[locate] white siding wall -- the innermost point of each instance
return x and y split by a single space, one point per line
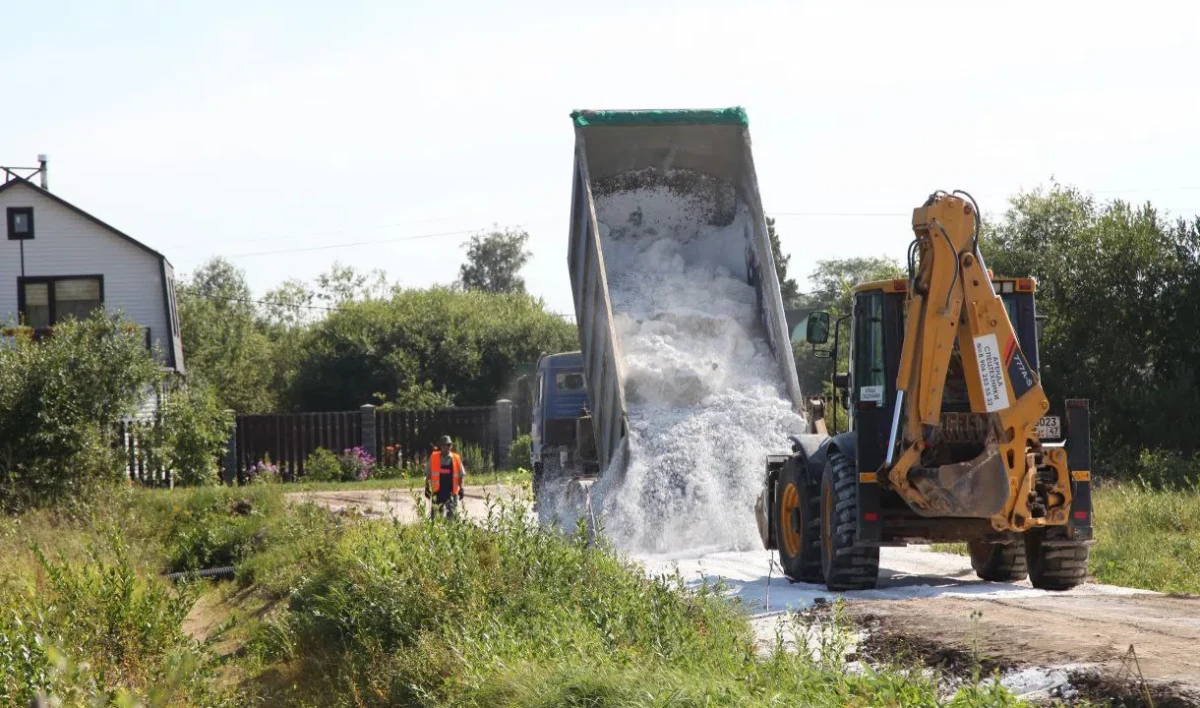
66 243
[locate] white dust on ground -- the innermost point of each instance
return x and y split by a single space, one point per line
705 398
753 580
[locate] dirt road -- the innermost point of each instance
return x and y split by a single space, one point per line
402 504
926 601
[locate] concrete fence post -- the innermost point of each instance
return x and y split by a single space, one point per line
231 452
504 430
367 411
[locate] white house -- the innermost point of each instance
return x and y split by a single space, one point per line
59 260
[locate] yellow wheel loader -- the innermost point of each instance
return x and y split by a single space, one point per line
950 435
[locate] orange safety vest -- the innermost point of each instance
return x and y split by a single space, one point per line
435 472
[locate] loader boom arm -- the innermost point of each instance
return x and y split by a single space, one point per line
951 297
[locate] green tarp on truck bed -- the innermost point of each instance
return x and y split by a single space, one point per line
690 116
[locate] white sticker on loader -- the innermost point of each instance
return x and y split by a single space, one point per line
991 373
872 394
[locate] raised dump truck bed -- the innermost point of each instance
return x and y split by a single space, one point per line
620 149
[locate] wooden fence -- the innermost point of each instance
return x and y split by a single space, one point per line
135 440
392 437
417 432
287 439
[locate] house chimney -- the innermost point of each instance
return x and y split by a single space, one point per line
42 160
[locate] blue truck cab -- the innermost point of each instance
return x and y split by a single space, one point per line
563 442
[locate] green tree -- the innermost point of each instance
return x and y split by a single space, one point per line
60 402
1118 286
788 288
342 284
222 342
195 433
495 260
423 348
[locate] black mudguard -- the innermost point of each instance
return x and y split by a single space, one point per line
1079 459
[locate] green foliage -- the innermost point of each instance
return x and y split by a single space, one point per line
426 341
222 342
195 434
322 466
506 614
521 451
1118 284
495 260
215 527
475 459
788 288
98 632
343 284
356 464
1147 538
60 402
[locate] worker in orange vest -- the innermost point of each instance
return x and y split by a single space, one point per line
444 484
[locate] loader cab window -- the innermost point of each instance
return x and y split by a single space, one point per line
867 372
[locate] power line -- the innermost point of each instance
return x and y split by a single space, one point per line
280 303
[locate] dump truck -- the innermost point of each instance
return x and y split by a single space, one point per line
562 441
616 150
949 436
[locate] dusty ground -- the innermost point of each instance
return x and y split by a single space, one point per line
1075 632
925 602
402 504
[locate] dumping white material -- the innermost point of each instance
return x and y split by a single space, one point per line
704 396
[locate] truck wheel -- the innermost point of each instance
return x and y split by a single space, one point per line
1056 567
998 562
845 565
798 526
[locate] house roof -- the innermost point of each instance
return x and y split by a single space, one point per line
52 196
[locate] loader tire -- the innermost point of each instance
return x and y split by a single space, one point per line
1057 567
799 543
845 565
997 562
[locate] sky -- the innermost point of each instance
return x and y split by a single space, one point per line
288 136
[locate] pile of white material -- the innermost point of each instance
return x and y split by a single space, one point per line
705 398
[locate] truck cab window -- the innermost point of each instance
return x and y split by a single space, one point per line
569 382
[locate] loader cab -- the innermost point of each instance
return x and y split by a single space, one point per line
876 335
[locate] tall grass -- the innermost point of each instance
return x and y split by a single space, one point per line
333 610
1147 538
98 632
507 614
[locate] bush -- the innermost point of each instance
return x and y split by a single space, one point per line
195 434
215 527
263 472
99 633
356 464
474 458
1164 469
60 402
322 466
521 451
420 346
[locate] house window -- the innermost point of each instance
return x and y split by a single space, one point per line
20 223
47 301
